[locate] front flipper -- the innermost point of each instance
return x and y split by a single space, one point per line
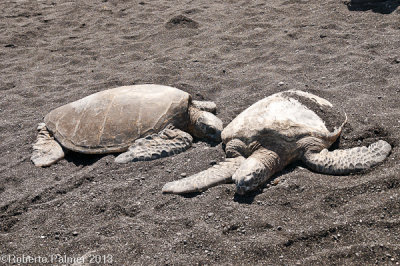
218 174
46 150
167 142
341 162
256 170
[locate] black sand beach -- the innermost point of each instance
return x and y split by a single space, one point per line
230 52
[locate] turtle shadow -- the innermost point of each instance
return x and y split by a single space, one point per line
81 159
191 195
376 6
247 198
208 141
335 145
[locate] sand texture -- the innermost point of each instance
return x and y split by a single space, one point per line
233 53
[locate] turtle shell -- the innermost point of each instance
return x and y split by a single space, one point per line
111 120
287 116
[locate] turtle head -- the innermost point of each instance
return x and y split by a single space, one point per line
204 124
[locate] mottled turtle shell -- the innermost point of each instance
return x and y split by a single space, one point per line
286 116
111 120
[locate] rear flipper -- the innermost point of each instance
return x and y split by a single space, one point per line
46 150
341 162
218 174
168 142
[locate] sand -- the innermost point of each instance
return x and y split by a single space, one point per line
230 52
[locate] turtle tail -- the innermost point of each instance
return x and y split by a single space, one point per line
218 174
341 162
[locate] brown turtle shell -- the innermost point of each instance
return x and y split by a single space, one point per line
111 120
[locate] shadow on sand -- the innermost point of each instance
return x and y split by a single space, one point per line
377 6
80 159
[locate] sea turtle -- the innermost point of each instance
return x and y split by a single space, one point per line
275 131
144 121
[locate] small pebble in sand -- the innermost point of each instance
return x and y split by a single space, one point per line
276 181
183 174
281 83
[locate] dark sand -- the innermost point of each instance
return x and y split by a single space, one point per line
231 52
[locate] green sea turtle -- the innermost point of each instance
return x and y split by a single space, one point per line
144 122
275 131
